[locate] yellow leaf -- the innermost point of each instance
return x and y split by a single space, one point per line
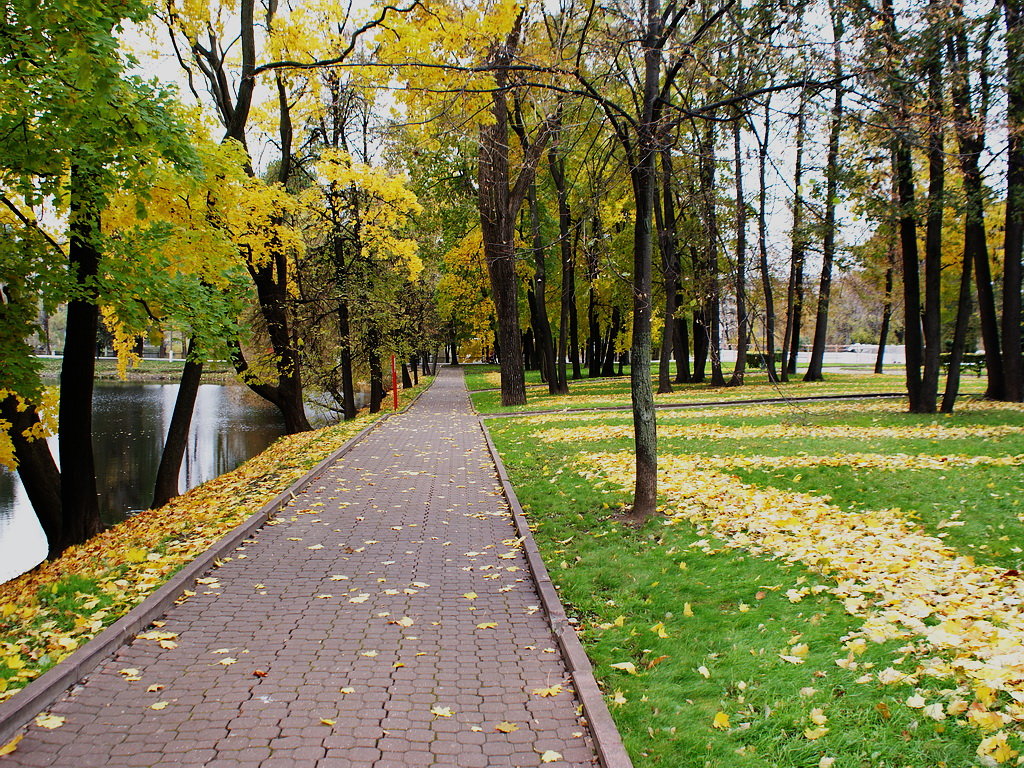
14 662
687 610
618 698
347 689
369 654
625 666
441 711
826 762
818 716
405 621
11 745
487 625
158 705
135 555
704 672
814 733
553 690
49 721
327 721
550 756
721 721
227 661
659 630
154 688
506 727
470 595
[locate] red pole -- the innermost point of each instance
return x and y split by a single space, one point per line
394 383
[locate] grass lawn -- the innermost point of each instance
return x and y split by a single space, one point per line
483 380
830 584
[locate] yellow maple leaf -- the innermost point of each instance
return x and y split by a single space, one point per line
553 690
625 666
441 711
11 745
48 721
470 595
721 721
506 727
659 630
814 733
550 756
487 625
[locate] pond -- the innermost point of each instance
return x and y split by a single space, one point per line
230 425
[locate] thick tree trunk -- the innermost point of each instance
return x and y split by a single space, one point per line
38 472
166 486
903 174
79 499
406 378
497 223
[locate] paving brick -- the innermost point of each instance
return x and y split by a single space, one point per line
416 500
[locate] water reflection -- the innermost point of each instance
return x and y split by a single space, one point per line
130 421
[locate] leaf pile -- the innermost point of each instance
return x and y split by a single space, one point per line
964 622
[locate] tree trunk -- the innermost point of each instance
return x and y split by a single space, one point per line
497 224
828 250
542 326
348 389
903 174
971 141
711 298
931 321
1013 363
883 334
742 330
664 217
762 243
38 472
568 263
956 352
681 341
166 486
795 289
406 379
79 499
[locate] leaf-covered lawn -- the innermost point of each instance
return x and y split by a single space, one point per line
831 584
49 612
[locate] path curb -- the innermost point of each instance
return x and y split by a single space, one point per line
607 740
17 711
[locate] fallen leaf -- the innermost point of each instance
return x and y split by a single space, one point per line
227 661
159 705
441 711
721 721
625 666
11 745
553 690
470 595
814 733
347 689
327 721
550 756
506 727
487 625
154 688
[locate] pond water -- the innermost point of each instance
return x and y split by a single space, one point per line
230 425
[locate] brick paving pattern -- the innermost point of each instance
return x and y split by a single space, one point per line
387 594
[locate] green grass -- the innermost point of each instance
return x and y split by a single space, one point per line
614 392
741 618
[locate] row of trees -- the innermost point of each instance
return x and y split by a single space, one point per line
622 167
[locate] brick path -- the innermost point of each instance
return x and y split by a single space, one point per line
299 651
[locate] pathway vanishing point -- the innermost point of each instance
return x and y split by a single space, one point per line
385 618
